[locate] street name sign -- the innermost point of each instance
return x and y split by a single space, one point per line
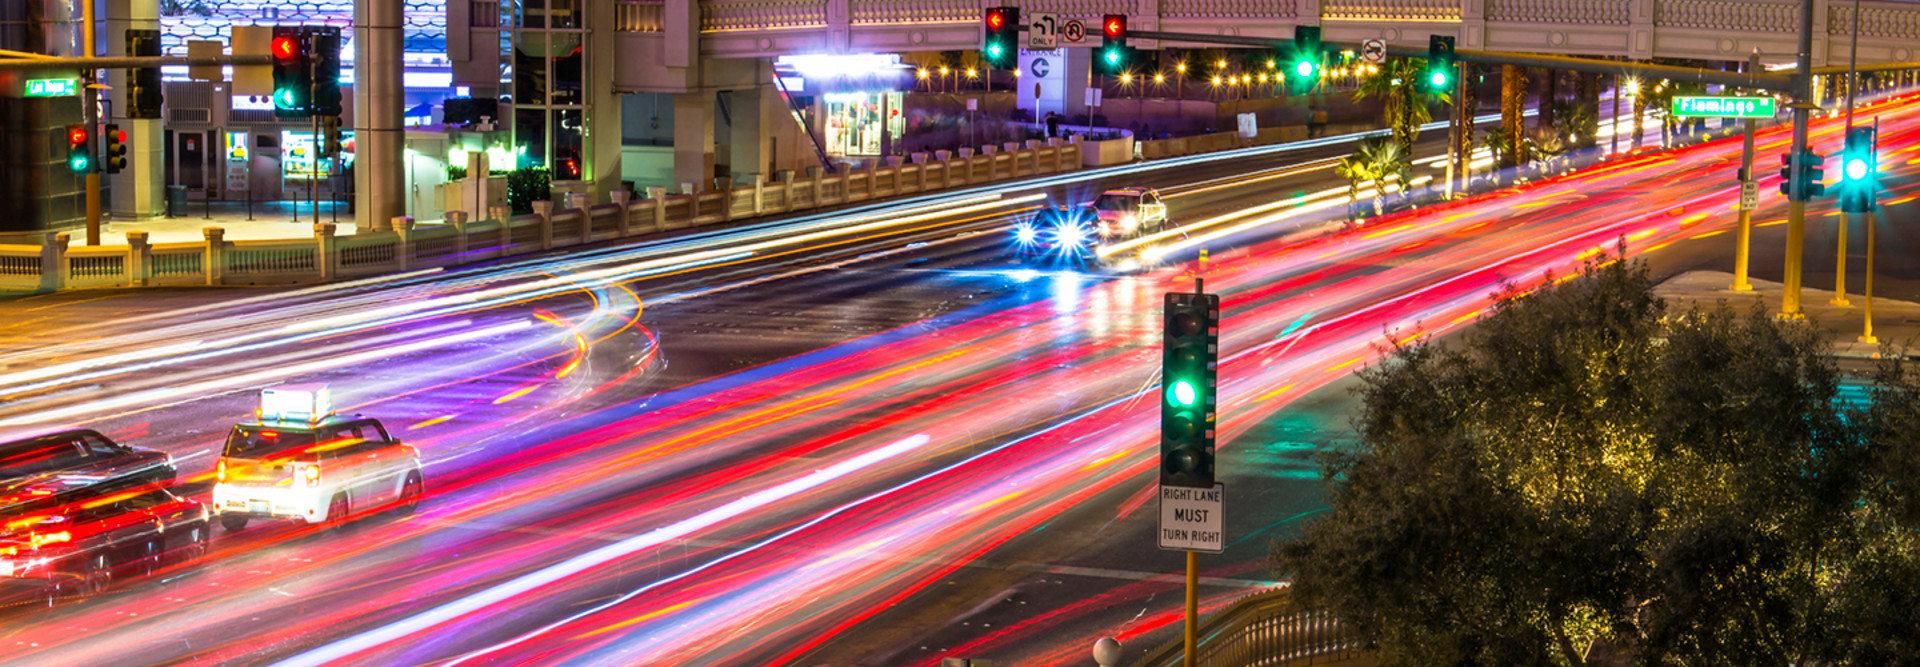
52 87
1190 519
1043 31
1724 107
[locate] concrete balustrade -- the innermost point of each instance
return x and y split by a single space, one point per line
402 243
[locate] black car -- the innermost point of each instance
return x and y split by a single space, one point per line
82 453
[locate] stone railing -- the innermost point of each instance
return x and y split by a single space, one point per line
403 245
638 15
872 12
724 15
1883 21
1390 10
1582 12
1730 15
1264 628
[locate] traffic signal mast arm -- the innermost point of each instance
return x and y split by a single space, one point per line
128 61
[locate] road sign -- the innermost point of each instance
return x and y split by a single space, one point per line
1724 107
1043 30
1191 519
1075 32
1373 51
52 87
1749 195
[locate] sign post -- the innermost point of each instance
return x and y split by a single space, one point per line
1749 191
1192 504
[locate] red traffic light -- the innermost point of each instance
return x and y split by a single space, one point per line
1116 26
285 47
76 135
996 20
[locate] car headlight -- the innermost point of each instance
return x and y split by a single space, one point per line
1128 220
1024 234
1071 236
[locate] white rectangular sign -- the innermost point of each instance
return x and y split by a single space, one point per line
1043 30
1749 195
1249 127
1190 519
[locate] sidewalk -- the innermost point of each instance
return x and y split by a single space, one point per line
271 220
1894 322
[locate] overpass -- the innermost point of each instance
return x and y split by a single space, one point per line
700 74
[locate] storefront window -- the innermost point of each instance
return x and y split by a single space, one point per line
549 91
862 123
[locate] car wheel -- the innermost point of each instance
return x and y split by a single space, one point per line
99 576
337 513
149 561
196 549
233 523
409 495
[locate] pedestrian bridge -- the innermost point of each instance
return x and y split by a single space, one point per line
1721 30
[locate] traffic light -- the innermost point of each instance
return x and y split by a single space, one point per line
116 139
328 143
1808 175
323 46
79 149
292 73
1115 58
1190 349
1859 177
1303 72
143 83
1001 48
1440 63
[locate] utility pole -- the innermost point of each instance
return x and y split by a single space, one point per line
1797 192
90 114
1748 183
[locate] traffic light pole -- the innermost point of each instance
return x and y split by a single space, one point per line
1797 190
1867 288
1193 596
90 112
1853 81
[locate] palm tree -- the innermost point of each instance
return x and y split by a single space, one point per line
1578 125
1398 82
1383 159
1355 168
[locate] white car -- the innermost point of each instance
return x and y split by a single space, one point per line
1128 212
313 469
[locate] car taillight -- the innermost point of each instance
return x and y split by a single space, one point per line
220 471
313 475
43 539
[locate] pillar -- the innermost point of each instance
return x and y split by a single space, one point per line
139 259
379 175
325 249
139 191
693 139
603 118
746 140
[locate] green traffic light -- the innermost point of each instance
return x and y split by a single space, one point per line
993 50
1303 68
1113 56
79 162
1856 169
283 98
1182 394
1439 79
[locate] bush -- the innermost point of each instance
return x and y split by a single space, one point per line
527 185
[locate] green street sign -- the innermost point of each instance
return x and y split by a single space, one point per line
1724 107
53 87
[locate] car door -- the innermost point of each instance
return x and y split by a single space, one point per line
355 461
393 460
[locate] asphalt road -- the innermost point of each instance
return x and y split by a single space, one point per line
874 448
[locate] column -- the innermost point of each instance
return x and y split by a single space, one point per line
379 175
746 139
693 139
602 115
137 192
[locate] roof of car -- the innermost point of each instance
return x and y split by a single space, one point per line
1135 191
331 420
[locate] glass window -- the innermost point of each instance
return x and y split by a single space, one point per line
27 458
254 442
1113 202
99 448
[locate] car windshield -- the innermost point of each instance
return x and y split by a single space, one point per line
261 442
26 458
1117 203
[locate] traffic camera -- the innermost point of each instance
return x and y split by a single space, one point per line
1190 347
